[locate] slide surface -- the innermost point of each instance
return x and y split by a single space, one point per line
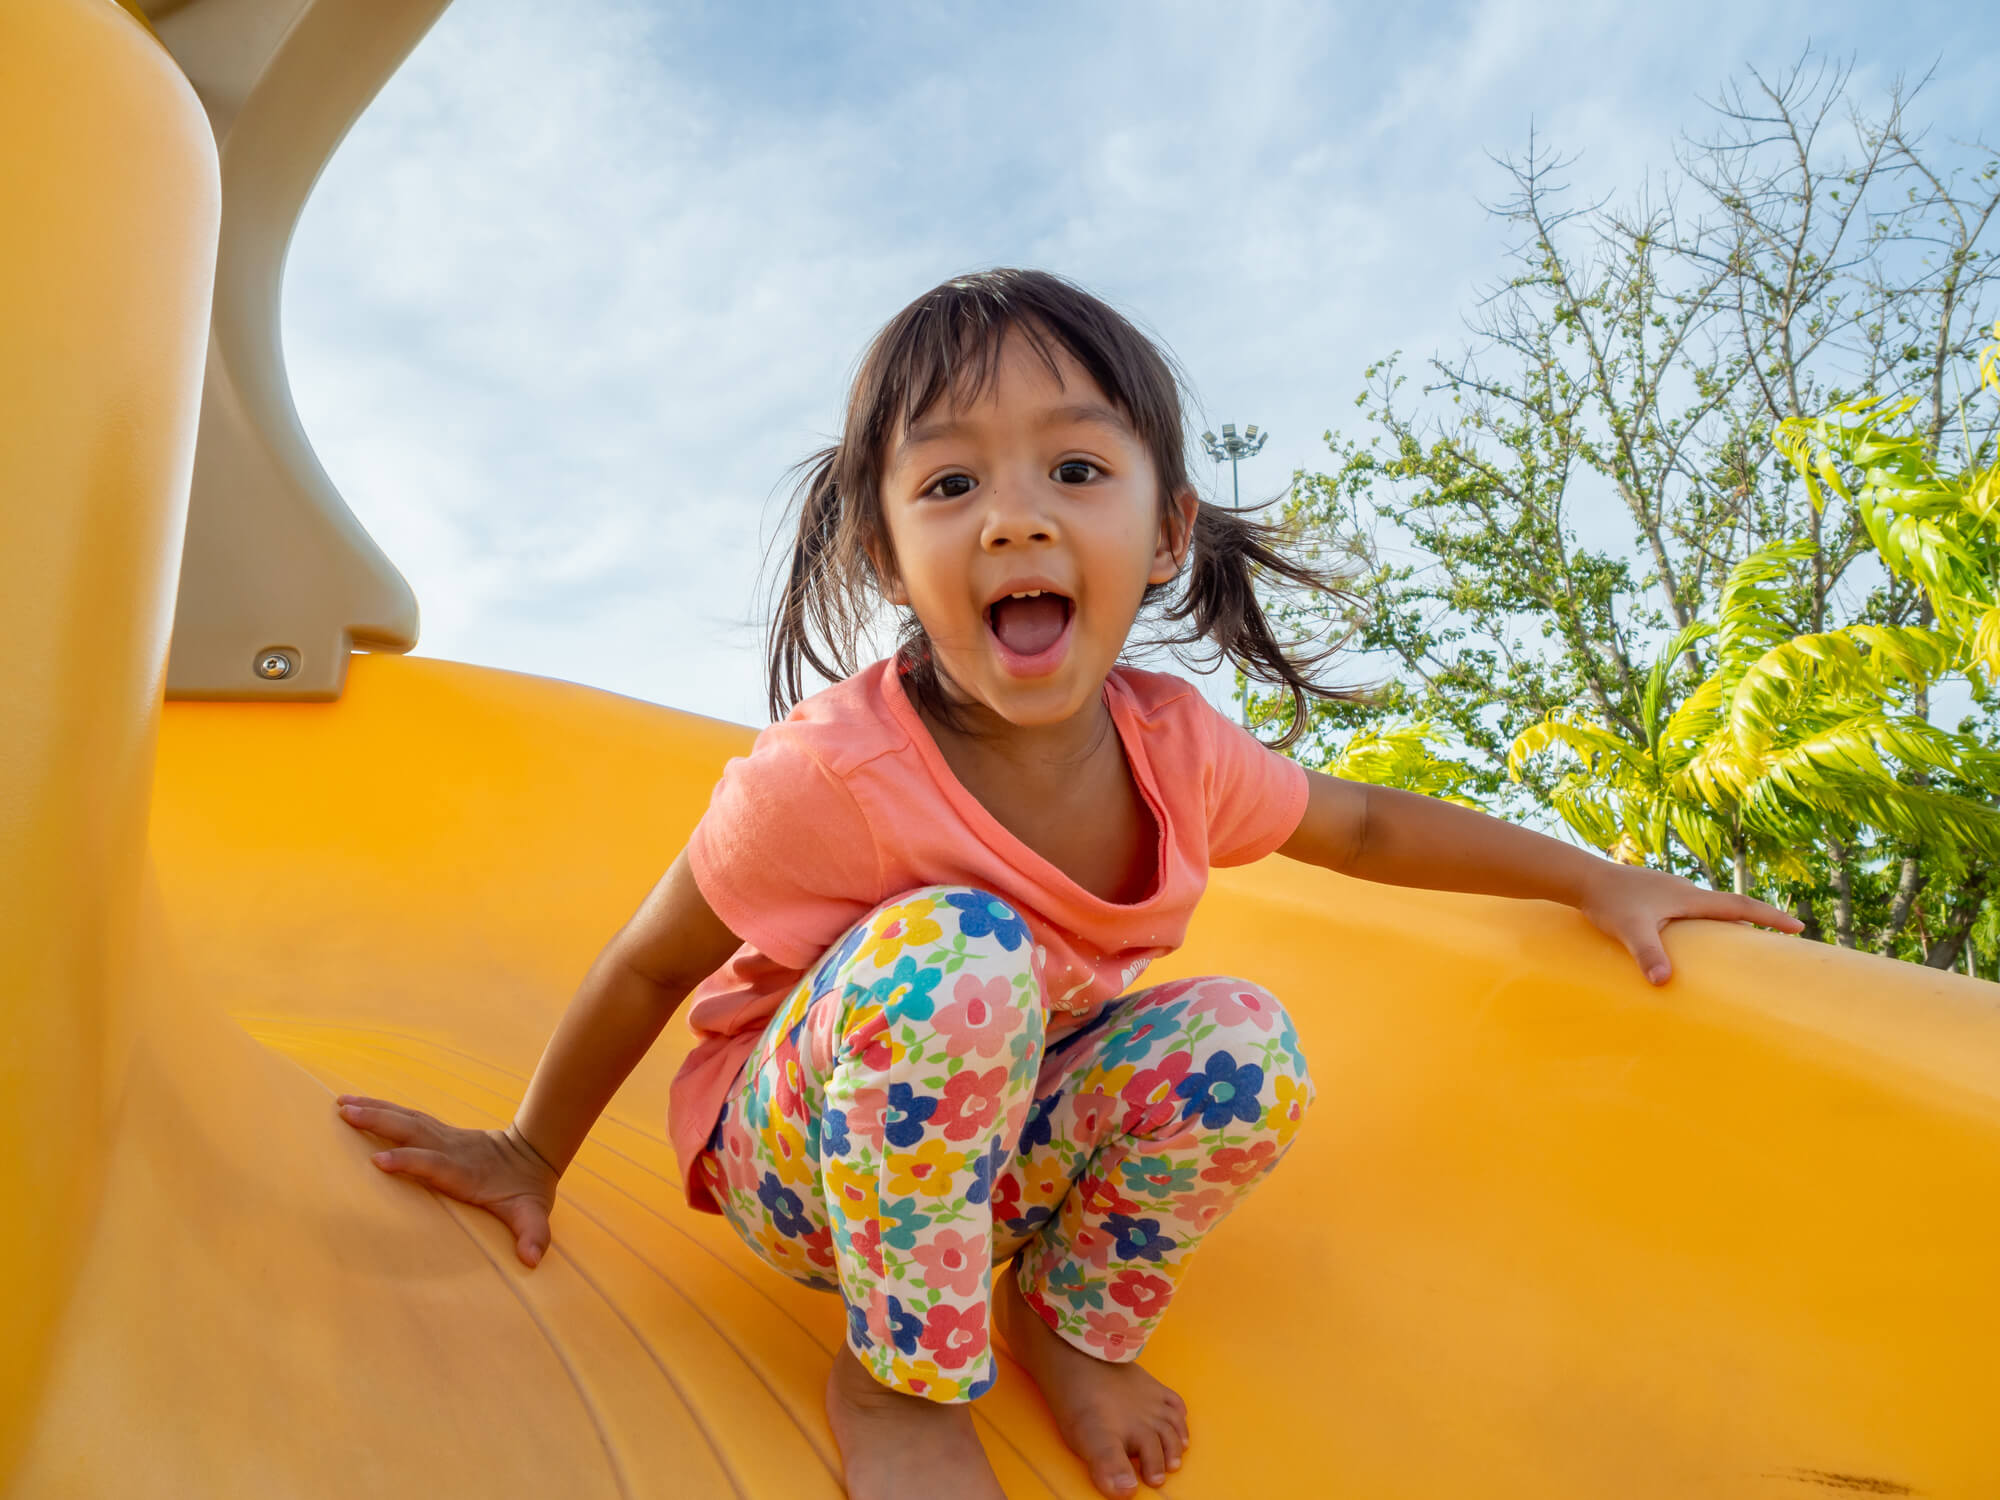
1547 1233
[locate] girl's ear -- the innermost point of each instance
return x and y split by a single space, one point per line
890 581
1176 532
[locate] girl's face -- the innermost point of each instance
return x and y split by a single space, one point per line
1039 488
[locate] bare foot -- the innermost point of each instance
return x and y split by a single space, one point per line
898 1447
1112 1416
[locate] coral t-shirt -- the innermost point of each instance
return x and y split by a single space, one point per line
849 803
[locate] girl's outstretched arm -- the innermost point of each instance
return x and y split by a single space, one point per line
1404 838
673 943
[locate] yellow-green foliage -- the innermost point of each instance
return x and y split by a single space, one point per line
1938 528
1400 755
1786 737
1790 737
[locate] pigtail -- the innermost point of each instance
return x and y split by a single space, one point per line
1231 553
814 608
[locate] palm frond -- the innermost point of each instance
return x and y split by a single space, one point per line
1400 755
1862 662
1656 680
1592 815
1593 745
1749 616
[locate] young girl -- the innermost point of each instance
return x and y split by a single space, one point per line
911 917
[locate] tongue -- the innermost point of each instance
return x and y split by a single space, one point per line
1030 626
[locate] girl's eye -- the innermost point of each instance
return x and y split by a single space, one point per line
943 490
1076 471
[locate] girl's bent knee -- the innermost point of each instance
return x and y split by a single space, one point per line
986 921
953 960
1251 1025
956 926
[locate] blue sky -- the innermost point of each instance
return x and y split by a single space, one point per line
587 279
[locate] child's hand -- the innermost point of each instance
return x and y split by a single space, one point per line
1632 904
489 1169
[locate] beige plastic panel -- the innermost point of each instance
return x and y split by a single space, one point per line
275 563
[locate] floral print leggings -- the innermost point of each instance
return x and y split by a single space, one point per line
901 1129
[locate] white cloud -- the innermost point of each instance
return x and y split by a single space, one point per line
587 279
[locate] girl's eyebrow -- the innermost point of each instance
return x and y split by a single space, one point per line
1056 416
1085 411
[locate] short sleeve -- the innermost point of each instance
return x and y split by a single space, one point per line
784 855
1257 797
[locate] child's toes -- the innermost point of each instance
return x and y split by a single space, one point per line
1170 1442
1110 1469
1152 1460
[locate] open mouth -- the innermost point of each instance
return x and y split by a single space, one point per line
1031 623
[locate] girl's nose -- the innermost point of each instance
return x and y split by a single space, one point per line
1013 517
1002 536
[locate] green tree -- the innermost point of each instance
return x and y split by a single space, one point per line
1402 755
1573 490
1934 525
1788 738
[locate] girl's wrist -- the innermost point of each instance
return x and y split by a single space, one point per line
1594 875
514 1134
1610 883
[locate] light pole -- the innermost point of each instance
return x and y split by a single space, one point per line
1234 448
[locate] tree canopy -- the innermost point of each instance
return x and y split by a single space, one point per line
1685 543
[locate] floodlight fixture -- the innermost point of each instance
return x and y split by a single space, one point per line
1235 449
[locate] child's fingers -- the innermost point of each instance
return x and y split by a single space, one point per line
391 1121
526 1218
431 1167
1727 906
1749 909
529 1222
345 1102
1646 947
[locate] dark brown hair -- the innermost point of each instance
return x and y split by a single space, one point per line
947 345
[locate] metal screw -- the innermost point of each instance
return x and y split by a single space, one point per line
273 666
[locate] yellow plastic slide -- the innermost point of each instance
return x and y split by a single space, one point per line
1549 1233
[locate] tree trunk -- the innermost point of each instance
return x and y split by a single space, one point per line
1806 912
1965 911
1908 884
1944 953
1843 893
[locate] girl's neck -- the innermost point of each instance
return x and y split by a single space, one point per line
1066 791
1030 751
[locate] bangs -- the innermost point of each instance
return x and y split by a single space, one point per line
946 347
953 356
